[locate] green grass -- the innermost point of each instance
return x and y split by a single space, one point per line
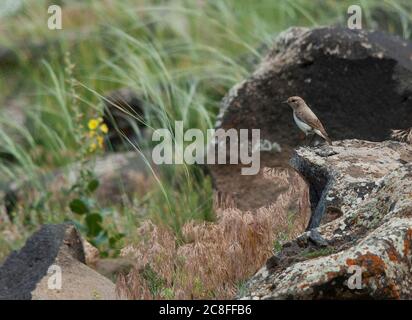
319 253
180 56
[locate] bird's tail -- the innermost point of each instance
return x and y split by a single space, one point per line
325 136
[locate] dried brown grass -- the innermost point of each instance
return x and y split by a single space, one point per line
215 257
402 135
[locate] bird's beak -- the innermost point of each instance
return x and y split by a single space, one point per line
286 101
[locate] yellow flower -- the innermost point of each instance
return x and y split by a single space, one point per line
93 124
104 128
92 147
91 134
100 142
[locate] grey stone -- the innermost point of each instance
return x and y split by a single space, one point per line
24 274
370 184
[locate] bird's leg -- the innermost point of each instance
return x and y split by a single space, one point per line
302 138
305 140
312 136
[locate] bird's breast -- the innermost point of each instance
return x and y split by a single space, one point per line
302 125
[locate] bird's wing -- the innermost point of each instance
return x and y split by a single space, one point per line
312 120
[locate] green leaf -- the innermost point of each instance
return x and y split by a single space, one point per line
93 222
79 226
114 238
100 239
93 185
79 206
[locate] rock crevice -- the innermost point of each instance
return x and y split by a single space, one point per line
369 185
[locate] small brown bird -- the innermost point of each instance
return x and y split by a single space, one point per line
305 119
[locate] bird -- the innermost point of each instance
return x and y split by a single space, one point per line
305 119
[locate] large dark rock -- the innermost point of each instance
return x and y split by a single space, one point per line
24 274
359 84
362 216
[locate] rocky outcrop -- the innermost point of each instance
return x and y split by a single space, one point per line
361 196
357 82
54 252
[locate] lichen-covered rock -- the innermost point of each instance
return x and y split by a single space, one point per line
341 177
362 199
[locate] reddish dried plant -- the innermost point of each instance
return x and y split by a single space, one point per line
214 258
402 135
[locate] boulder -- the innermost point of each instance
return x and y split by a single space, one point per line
124 175
357 82
91 254
361 218
33 272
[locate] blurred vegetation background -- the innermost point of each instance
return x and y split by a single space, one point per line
179 56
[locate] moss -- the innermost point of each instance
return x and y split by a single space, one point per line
318 253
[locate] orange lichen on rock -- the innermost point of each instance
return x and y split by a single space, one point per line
393 254
392 291
407 242
372 263
330 275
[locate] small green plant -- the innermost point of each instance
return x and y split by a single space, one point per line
91 216
155 283
90 140
167 293
198 287
279 241
318 253
241 288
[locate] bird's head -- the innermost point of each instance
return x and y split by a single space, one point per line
294 102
